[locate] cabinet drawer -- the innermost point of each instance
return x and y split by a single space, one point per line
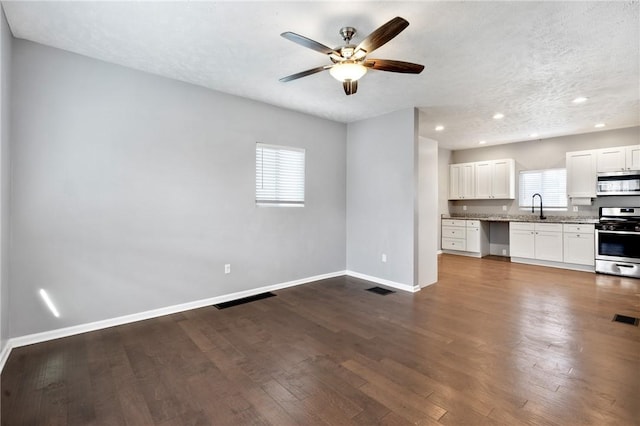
452 232
453 244
473 223
453 222
521 226
578 228
549 227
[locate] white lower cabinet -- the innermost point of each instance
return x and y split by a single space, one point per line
549 241
454 234
542 241
473 236
468 237
552 244
522 240
579 244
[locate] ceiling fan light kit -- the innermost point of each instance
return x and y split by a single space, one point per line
347 71
350 62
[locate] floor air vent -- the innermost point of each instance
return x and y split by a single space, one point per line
626 320
380 290
244 300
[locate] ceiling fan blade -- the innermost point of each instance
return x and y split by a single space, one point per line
393 66
350 87
383 34
308 43
304 73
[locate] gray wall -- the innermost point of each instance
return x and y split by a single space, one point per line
544 154
6 40
132 191
381 196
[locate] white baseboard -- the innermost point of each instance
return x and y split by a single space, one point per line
154 313
4 355
388 283
98 325
559 265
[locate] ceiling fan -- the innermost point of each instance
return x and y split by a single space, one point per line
350 62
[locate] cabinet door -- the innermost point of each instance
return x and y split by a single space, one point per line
461 181
522 243
633 157
473 239
548 246
581 174
454 182
467 180
611 159
484 173
503 179
579 249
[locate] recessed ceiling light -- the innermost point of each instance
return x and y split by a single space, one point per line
533 135
580 100
498 116
439 128
599 125
482 142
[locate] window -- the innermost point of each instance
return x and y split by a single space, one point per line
550 183
279 175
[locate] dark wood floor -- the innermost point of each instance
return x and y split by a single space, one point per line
492 343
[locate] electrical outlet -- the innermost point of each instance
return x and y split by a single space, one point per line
575 208
504 208
504 252
384 258
464 208
227 268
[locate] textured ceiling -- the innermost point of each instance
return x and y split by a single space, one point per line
527 60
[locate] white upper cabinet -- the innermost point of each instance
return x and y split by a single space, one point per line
461 181
581 174
618 159
611 159
633 157
487 180
503 182
483 179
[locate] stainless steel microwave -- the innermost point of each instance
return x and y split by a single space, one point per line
619 183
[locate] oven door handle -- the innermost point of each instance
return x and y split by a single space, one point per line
602 231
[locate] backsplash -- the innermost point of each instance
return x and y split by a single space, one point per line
494 207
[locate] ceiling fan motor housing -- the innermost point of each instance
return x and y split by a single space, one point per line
347 33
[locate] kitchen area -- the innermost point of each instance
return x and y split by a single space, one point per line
569 202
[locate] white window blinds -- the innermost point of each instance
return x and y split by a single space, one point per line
279 175
550 183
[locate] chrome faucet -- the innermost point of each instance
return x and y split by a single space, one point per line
532 207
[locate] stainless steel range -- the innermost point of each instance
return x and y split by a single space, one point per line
618 241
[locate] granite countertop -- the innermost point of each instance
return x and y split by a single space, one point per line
523 218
